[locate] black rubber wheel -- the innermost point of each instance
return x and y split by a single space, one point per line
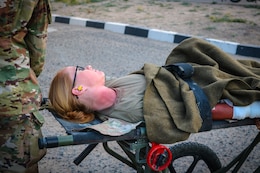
193 153
235 0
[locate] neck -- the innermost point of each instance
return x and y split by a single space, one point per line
104 99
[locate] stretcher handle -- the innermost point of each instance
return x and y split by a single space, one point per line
91 137
221 124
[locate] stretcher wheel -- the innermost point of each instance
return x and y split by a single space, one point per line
159 157
193 154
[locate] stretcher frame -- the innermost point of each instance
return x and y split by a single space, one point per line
136 146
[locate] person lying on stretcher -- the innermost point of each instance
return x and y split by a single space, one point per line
232 88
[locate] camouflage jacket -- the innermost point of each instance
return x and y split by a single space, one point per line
23 35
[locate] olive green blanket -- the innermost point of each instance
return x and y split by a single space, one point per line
170 109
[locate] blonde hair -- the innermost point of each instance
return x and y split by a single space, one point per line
65 103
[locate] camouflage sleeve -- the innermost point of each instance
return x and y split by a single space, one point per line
37 35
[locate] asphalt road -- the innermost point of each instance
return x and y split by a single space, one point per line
118 55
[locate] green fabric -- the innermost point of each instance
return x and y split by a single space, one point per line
170 111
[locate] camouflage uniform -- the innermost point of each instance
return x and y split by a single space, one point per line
23 34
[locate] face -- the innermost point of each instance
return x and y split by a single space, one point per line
89 87
87 76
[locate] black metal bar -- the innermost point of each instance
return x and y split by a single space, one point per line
246 152
240 159
226 124
131 156
118 156
84 154
257 170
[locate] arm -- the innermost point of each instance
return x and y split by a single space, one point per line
37 35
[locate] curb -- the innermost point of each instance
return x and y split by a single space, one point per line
159 35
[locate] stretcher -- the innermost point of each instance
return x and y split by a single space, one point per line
145 156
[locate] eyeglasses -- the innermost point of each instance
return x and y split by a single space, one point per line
78 68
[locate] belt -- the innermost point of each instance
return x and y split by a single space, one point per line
185 72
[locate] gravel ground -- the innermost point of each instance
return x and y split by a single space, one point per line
221 20
118 55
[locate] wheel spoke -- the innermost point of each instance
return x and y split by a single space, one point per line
171 169
194 163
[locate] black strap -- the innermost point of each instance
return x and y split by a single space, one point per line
185 71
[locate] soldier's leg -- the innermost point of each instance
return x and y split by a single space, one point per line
19 151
